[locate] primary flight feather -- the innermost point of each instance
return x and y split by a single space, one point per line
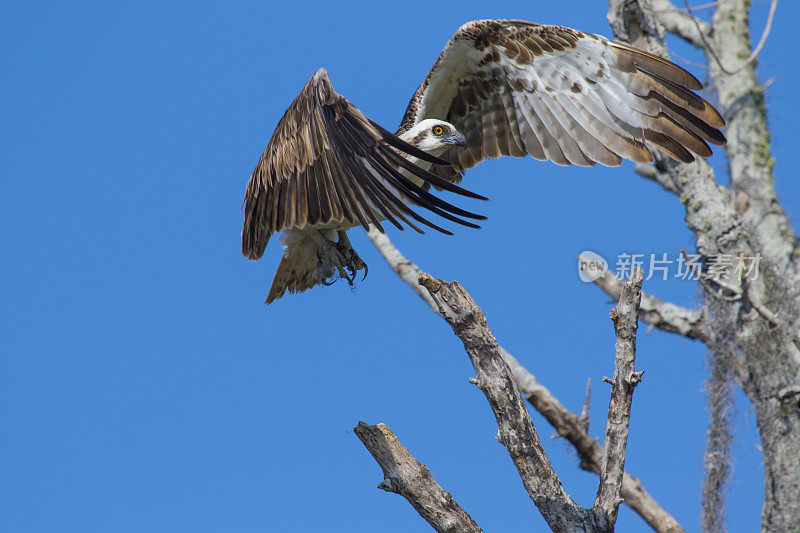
499 87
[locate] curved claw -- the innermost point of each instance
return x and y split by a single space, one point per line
341 257
343 274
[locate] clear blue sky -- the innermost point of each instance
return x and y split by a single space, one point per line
144 386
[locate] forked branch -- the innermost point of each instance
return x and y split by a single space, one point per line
515 428
565 422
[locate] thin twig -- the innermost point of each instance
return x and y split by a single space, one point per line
753 55
678 22
698 7
584 419
764 35
741 294
689 62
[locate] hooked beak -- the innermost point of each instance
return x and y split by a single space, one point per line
458 139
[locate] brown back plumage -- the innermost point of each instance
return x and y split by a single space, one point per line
326 163
518 88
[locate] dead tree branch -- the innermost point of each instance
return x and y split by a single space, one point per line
404 475
750 161
408 271
566 423
625 317
569 426
710 213
584 418
680 22
753 55
659 314
515 428
748 221
657 175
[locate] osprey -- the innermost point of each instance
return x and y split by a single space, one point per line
499 87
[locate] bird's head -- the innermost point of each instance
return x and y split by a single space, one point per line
434 136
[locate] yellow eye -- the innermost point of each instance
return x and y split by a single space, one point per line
438 130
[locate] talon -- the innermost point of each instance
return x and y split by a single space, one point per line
343 274
338 257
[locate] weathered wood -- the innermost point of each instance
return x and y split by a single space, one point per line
566 423
515 428
745 220
404 475
626 322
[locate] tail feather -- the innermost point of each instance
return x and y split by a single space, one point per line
296 271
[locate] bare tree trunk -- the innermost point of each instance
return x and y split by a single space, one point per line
761 315
771 357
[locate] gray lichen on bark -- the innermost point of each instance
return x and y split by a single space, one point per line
762 317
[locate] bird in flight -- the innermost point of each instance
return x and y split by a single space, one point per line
499 87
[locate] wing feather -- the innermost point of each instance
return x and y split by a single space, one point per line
328 164
514 131
519 88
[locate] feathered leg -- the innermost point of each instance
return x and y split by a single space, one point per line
311 259
339 256
354 263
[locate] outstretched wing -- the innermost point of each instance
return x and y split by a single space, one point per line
328 163
519 88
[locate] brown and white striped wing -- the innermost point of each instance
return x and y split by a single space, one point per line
518 88
327 163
